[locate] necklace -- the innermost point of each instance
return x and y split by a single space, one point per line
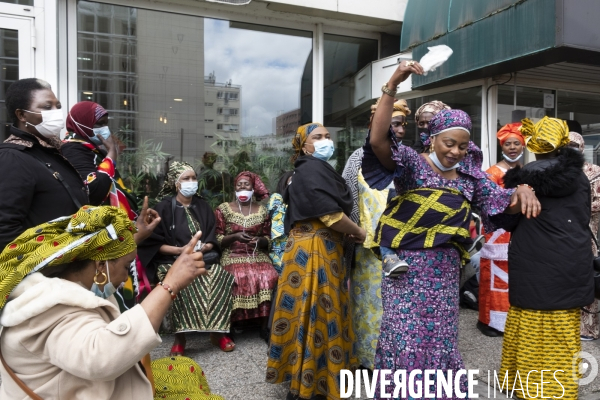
507 164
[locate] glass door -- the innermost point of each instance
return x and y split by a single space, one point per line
16 59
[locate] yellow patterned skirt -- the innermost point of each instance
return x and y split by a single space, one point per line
542 340
178 378
311 336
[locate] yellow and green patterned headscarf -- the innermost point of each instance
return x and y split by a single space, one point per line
546 135
93 233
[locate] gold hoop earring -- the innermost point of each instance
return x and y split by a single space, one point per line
96 278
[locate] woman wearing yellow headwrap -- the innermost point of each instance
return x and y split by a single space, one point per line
64 335
365 278
550 265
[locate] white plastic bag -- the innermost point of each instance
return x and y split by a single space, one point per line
436 56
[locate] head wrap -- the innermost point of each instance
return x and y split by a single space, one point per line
86 114
400 108
510 131
300 137
93 233
260 190
433 107
547 135
176 169
446 120
577 138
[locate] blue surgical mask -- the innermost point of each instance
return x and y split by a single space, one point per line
103 131
323 149
109 288
188 189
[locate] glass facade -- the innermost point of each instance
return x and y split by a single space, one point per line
585 109
205 91
346 110
9 71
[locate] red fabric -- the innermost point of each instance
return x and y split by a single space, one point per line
250 278
493 291
260 190
496 175
86 114
510 130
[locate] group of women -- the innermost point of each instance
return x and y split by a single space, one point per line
333 308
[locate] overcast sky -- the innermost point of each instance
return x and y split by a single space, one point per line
268 66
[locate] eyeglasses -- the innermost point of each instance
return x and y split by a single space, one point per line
396 124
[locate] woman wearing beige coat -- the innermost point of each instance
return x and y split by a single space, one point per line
63 334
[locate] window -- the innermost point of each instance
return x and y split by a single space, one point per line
112 38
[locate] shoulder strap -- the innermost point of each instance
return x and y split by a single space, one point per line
18 381
59 178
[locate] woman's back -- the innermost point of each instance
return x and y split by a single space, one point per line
550 257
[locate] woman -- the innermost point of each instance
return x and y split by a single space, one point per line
312 337
34 143
63 334
276 209
422 118
493 267
365 271
550 265
590 324
419 327
87 130
243 232
205 305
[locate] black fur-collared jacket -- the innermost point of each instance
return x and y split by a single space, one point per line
550 257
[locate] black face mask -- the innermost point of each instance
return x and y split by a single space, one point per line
423 130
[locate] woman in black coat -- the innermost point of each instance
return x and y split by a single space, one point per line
31 162
550 264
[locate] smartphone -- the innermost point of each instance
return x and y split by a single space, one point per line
199 246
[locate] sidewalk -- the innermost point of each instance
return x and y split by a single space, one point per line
241 373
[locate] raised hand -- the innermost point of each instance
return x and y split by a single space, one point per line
146 222
187 267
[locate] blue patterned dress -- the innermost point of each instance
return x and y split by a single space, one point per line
419 327
276 209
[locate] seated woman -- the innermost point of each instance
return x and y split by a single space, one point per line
244 231
427 225
64 336
205 305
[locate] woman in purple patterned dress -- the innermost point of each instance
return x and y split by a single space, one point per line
419 328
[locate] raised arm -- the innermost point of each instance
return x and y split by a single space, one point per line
380 141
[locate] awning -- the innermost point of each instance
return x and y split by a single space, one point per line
498 36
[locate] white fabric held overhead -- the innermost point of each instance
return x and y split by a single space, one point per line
436 56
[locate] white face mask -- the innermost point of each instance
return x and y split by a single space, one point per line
188 189
434 158
244 195
52 122
517 158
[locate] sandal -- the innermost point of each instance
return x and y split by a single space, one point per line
177 350
224 343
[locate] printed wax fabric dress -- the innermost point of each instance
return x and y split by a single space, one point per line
206 304
493 275
365 270
419 327
276 209
251 267
311 336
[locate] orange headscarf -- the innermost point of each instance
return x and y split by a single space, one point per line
510 131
